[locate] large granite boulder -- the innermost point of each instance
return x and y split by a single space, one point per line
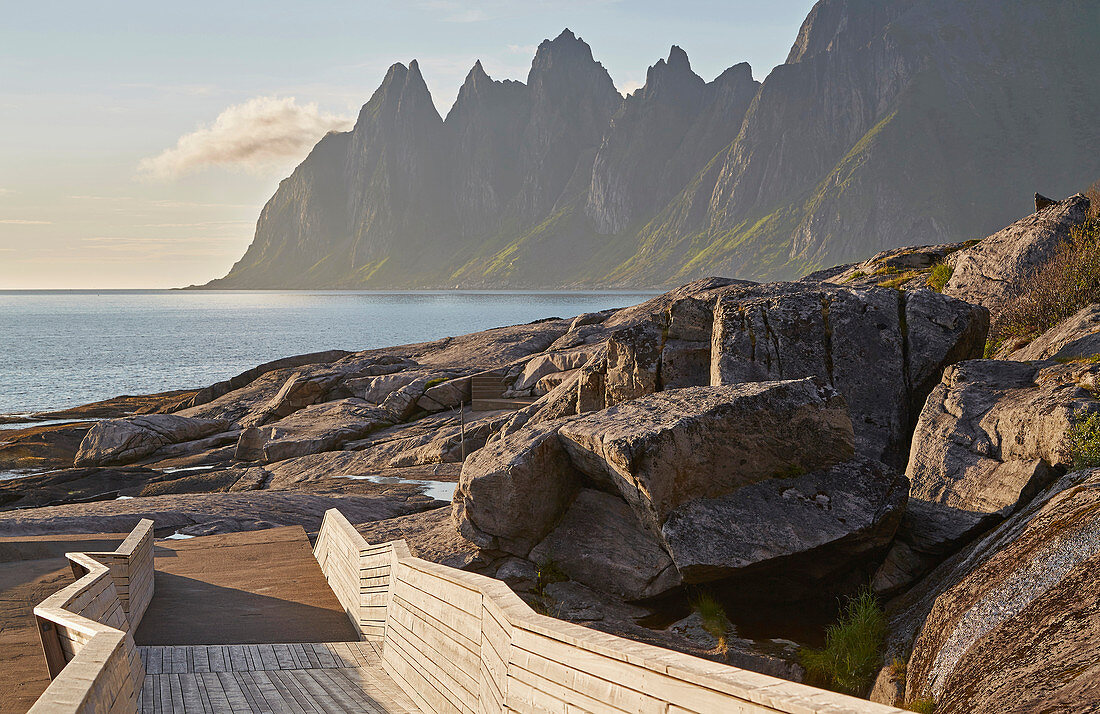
633 362
672 447
551 363
881 348
124 441
1012 622
794 534
322 427
600 543
300 390
513 491
991 435
991 272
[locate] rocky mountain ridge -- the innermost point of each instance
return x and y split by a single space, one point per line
891 123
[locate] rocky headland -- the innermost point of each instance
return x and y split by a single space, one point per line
774 446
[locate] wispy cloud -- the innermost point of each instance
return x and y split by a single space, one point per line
6 192
24 222
630 86
258 136
526 50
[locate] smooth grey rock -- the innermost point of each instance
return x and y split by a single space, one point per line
552 362
993 433
993 271
513 490
322 427
375 389
685 364
518 574
599 543
831 520
668 448
123 441
300 390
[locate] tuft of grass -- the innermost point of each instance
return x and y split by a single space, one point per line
924 705
433 382
548 572
1084 439
1069 281
713 618
1093 194
901 279
898 668
853 646
939 275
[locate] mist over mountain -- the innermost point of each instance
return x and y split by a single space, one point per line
892 122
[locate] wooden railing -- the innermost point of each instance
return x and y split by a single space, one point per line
461 642
86 629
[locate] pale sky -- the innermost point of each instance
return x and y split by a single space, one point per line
139 140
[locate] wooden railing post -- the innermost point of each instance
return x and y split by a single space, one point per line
51 647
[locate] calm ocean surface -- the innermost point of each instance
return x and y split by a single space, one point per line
59 349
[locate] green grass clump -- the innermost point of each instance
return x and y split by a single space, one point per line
939 275
1084 439
548 572
713 617
924 705
433 382
852 654
1069 281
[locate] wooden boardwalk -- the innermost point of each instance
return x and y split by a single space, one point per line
292 678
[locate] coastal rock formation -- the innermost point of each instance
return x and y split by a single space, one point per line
1078 336
1027 587
669 448
123 441
991 436
788 536
791 330
513 491
322 427
600 543
993 270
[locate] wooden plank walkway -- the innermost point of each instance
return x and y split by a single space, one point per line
292 678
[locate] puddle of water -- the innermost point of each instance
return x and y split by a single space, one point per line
10 475
178 536
440 490
124 498
12 426
187 468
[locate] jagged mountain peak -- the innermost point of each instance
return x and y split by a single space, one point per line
737 73
677 57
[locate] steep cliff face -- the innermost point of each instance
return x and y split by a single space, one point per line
664 133
893 122
485 127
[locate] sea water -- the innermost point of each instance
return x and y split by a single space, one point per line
60 349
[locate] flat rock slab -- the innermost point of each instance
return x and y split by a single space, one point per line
263 586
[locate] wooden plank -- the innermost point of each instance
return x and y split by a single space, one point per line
238 699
